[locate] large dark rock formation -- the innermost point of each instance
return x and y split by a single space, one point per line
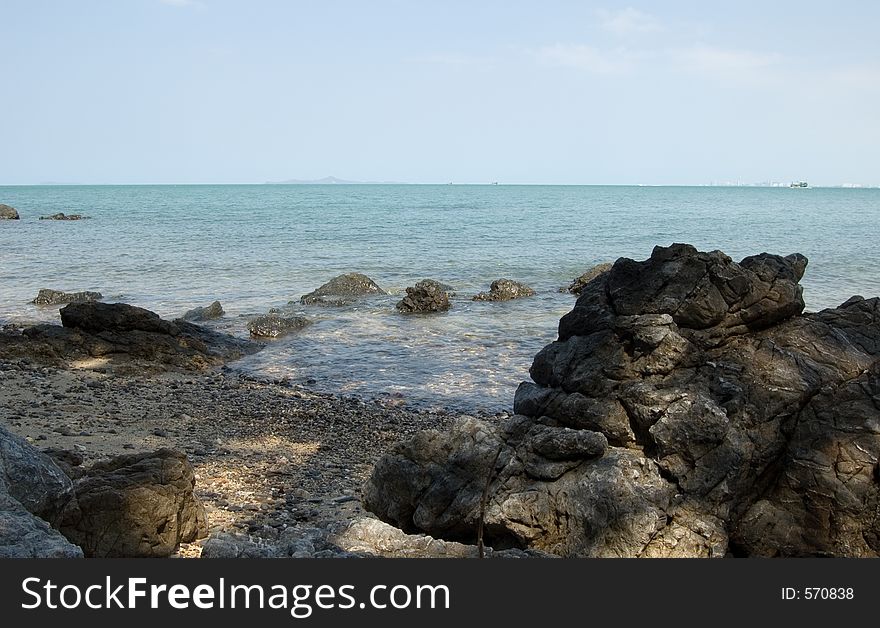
426 296
137 505
342 290
57 297
8 213
688 408
121 332
505 290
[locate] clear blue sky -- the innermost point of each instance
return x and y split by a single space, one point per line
137 91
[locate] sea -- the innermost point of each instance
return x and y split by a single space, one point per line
170 248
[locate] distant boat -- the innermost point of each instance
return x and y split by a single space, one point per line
799 184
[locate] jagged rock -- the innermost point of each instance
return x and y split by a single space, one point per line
208 313
57 297
735 425
63 216
342 290
505 290
136 505
275 326
442 287
8 213
426 296
123 333
23 535
30 477
576 286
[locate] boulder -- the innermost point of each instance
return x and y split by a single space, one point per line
23 535
342 290
276 326
31 486
56 297
505 290
689 408
136 505
127 336
8 213
63 216
207 313
425 296
576 286
30 477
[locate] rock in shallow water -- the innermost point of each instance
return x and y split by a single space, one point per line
735 425
425 296
275 326
505 290
57 297
576 286
342 290
8 213
207 313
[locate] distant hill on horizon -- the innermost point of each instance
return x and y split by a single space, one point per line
328 181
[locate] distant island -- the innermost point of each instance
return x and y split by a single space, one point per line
329 181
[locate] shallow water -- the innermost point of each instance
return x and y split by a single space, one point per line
170 248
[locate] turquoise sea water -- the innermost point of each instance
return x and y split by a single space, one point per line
253 247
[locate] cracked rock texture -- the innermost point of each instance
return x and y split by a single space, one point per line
688 408
136 505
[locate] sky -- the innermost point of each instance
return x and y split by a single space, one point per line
223 91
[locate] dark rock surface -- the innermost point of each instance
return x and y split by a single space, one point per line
63 216
31 477
121 332
505 290
31 486
735 425
57 297
276 326
8 213
137 505
426 296
207 313
576 286
342 290
23 535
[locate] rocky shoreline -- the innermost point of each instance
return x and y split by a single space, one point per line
689 408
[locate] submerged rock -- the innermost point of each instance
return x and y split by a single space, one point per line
688 408
57 297
342 290
63 216
136 505
207 313
505 290
576 286
276 326
8 213
426 296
